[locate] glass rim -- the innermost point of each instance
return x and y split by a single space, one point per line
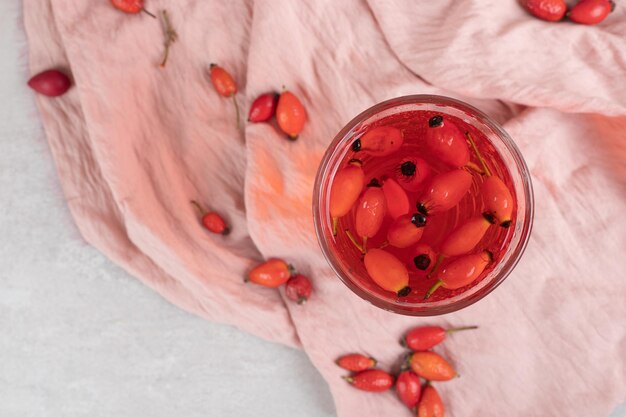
528 196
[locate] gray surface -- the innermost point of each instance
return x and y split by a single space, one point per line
82 338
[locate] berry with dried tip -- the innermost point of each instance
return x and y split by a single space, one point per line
356 362
373 380
211 220
461 271
466 236
412 172
345 190
370 212
263 108
224 84
431 404
290 115
550 10
444 191
298 288
387 271
447 142
397 201
424 256
426 337
408 388
406 230
272 273
431 366
591 12
380 141
498 200
51 83
131 6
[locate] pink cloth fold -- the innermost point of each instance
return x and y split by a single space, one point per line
134 143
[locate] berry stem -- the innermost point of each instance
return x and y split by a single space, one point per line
384 244
478 155
354 242
474 167
148 13
348 379
432 289
460 329
364 245
335 223
236 110
440 258
170 36
198 207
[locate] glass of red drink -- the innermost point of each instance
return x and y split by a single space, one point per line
422 205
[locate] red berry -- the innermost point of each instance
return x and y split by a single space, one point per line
356 362
212 221
462 271
447 142
373 380
290 115
445 191
370 212
298 288
396 199
424 256
590 12
465 237
412 172
387 271
550 10
498 200
223 82
271 273
379 141
347 186
408 388
51 83
431 366
430 405
263 108
426 337
406 230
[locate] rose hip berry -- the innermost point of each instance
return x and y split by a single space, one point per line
387 271
131 6
431 404
406 230
412 172
373 380
356 362
298 288
424 256
370 212
380 141
550 10
290 115
263 108
431 366
224 84
461 271
444 191
591 12
211 220
408 388
397 201
346 188
272 273
446 140
498 200
426 337
51 83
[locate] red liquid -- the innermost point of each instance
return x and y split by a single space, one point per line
496 240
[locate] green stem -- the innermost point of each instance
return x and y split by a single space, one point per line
433 289
478 155
354 242
460 329
335 222
440 258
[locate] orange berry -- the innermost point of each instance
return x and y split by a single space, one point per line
379 141
406 230
271 273
387 271
290 115
222 81
430 405
431 366
498 200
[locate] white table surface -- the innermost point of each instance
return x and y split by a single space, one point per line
80 337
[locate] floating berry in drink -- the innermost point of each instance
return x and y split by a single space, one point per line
345 191
426 337
370 212
387 271
263 108
444 191
290 115
591 12
272 273
406 230
430 404
447 142
380 141
429 365
373 380
498 200
424 256
224 84
356 362
298 288
461 271
412 172
408 388
211 220
396 199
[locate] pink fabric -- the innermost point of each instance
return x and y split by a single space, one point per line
134 143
